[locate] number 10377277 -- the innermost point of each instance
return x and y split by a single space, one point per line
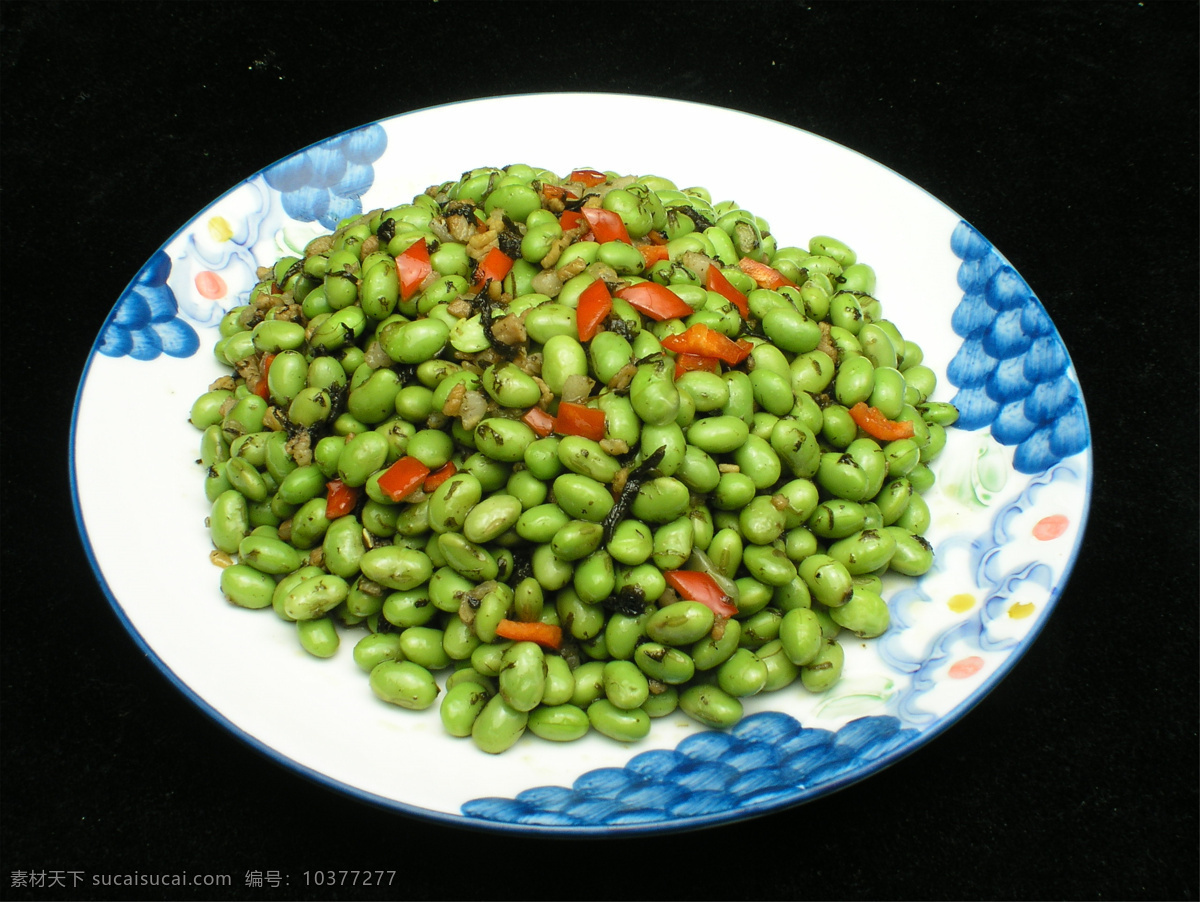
349 878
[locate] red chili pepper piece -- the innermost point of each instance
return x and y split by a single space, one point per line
587 177
339 499
656 301
694 585
715 281
545 634
261 387
871 421
707 342
440 475
686 363
575 419
403 478
570 219
557 191
492 268
606 225
595 303
413 267
654 253
763 275
539 421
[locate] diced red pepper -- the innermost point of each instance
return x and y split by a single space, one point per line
595 303
539 421
686 363
658 237
707 342
492 268
570 219
872 421
413 268
440 475
653 253
576 419
763 275
693 585
403 478
548 635
261 387
339 499
656 301
559 191
715 281
588 177
606 225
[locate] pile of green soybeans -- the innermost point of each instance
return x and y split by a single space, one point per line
586 450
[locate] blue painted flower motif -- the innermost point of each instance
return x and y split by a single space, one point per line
1011 369
326 183
766 758
145 322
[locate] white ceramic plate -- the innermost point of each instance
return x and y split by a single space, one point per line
1009 507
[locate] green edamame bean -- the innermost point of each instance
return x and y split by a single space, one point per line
582 498
855 381
718 434
229 521
673 543
653 394
711 706
632 543
268 555
865 614
560 682
585 457
452 501
812 372
318 637
781 672
511 386
375 648
246 586
618 723
680 623
760 521
583 621
625 686
797 447
916 516
461 706
791 330
769 565
540 523
503 439
491 518
697 470
405 684
577 539
800 634
913 555
827 578
661 500
396 567
743 674
362 456
467 558
841 476
877 346
758 460
343 546
559 723
315 597
595 578
523 675
772 392
825 669
887 394
837 518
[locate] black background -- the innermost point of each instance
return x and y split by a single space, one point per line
1066 132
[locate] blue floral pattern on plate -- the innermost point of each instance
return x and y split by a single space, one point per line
764 760
1012 368
145 322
